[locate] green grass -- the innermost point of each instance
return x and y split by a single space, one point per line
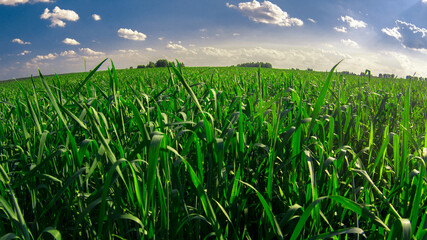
225 153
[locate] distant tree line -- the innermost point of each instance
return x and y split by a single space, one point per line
256 64
158 64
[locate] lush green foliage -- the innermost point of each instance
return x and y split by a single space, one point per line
231 153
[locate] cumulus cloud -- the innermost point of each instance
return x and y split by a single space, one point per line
69 53
179 48
70 41
58 15
350 43
15 2
24 53
340 29
408 34
175 46
90 52
150 49
131 34
96 17
266 12
50 56
353 23
19 41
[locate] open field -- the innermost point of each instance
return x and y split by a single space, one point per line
226 153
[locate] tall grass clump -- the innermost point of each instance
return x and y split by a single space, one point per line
225 153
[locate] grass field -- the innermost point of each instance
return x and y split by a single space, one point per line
205 153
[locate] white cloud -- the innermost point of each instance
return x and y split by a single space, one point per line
69 53
409 35
350 43
19 41
90 52
50 56
150 49
12 2
70 41
131 34
129 51
179 48
311 20
57 15
340 29
15 2
174 46
24 53
353 23
236 34
266 12
96 17
217 52
393 32
161 38
424 1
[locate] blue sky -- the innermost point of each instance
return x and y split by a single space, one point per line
61 36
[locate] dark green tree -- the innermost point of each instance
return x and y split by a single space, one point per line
256 64
150 65
161 63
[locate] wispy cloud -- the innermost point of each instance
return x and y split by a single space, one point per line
350 43
312 20
19 41
24 53
408 34
58 15
150 49
175 46
70 41
131 34
266 12
129 51
340 29
393 32
179 48
353 23
16 2
236 34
